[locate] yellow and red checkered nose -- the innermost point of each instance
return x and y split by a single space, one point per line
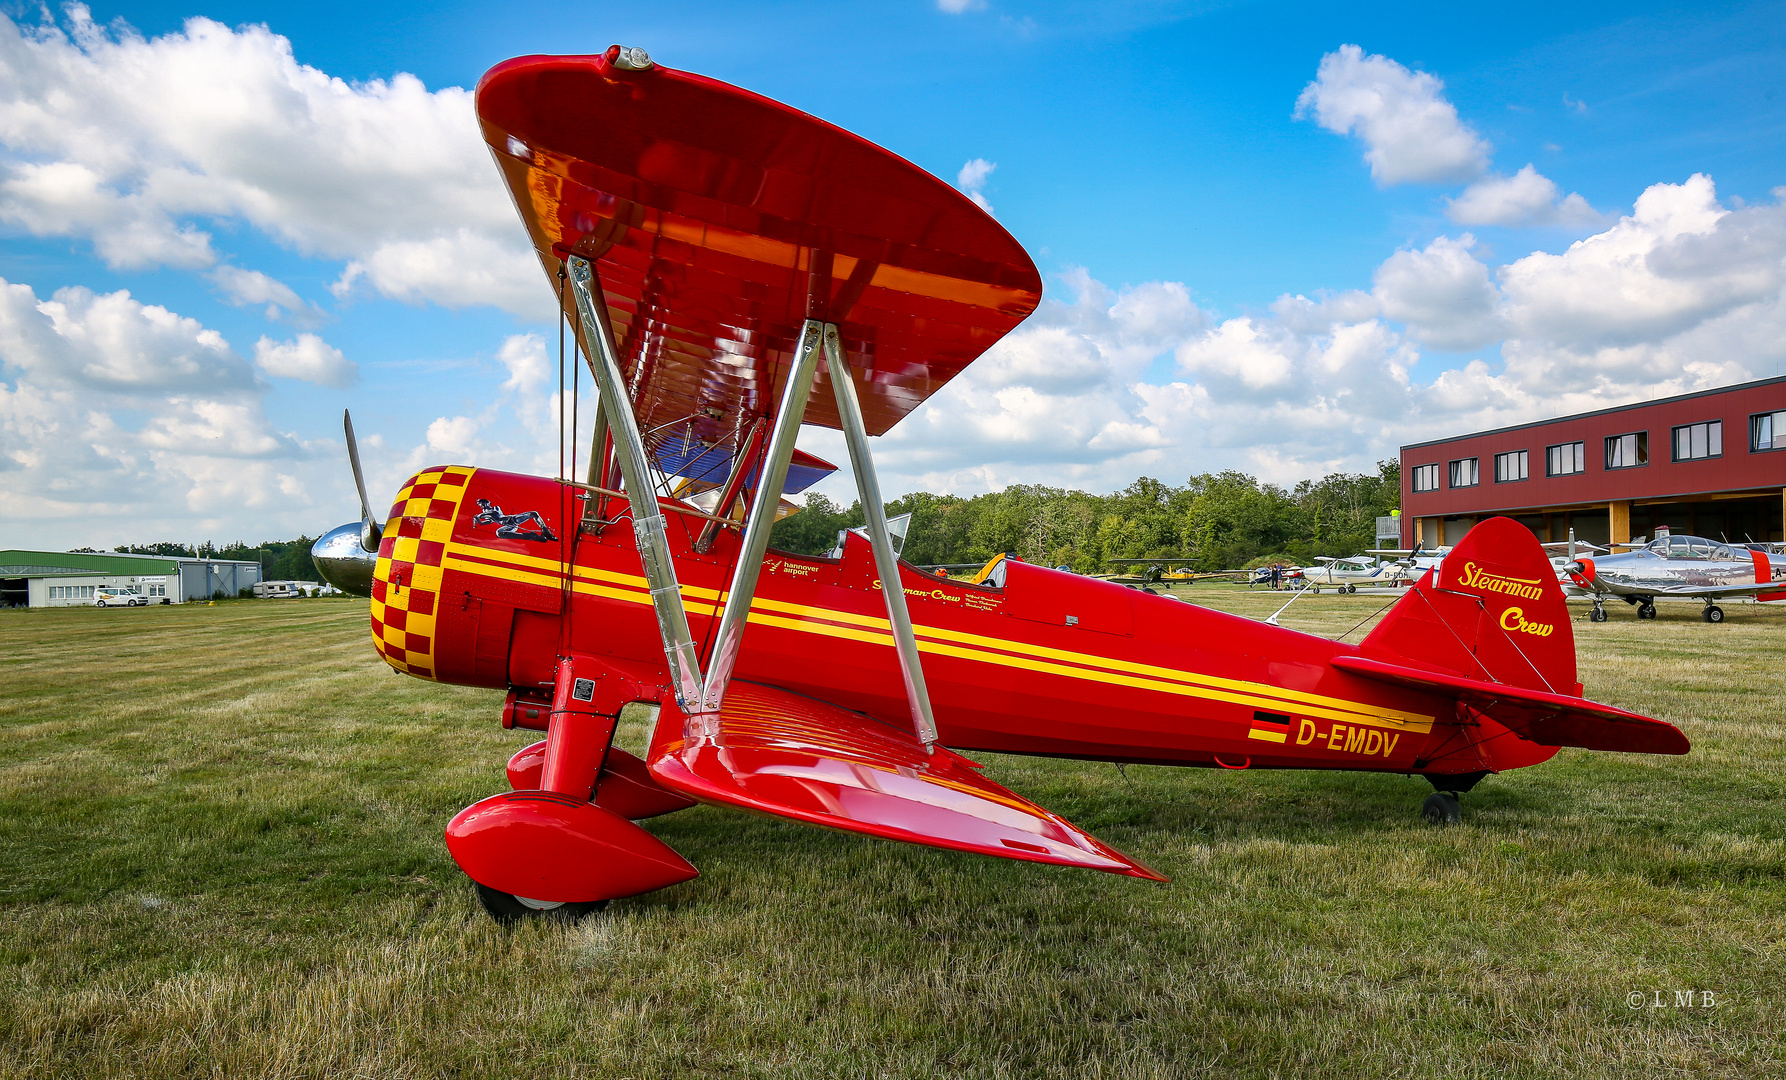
406 580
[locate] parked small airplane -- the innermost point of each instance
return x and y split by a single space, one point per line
714 251
1350 573
1684 566
1261 575
1158 571
1561 552
1419 558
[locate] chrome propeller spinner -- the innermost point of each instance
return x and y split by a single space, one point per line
346 554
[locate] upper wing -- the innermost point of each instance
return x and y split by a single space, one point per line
719 221
780 753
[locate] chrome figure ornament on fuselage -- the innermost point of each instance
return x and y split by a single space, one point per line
514 526
1684 566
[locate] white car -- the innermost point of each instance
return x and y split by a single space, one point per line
118 596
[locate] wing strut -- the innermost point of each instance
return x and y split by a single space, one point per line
751 443
648 519
757 525
598 461
701 697
874 513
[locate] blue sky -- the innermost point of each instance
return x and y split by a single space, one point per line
1231 282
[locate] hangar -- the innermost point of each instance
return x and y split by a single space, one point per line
70 578
1710 464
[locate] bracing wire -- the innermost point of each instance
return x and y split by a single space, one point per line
576 390
1371 616
567 495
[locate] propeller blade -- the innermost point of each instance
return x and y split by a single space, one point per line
371 532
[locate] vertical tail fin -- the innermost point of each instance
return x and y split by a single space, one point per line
1493 610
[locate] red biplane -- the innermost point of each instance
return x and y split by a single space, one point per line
734 268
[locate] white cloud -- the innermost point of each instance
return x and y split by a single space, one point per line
117 415
957 7
1243 356
1678 260
245 288
524 357
129 231
1411 133
112 343
123 421
1525 198
306 357
972 180
1442 294
1681 295
1304 316
459 269
132 142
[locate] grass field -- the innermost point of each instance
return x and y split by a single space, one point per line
221 856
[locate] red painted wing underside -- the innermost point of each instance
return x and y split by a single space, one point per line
792 756
720 220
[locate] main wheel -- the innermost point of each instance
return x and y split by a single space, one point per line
1441 808
1646 611
508 909
1713 613
1597 615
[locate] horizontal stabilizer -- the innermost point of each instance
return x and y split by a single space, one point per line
1545 718
779 753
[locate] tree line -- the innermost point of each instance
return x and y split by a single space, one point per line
280 560
1224 521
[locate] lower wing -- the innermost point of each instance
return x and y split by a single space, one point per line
780 753
1688 592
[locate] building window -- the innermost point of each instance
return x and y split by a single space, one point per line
1463 473
1699 440
1767 431
1565 459
1426 477
1510 466
1628 451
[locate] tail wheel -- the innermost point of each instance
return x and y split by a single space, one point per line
1714 613
1440 808
509 909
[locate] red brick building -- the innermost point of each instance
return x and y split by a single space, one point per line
1708 464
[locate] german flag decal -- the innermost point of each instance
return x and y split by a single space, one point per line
1270 727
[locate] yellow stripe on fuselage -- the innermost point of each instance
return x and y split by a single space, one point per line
1001 652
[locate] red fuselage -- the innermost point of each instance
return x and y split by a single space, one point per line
1051 663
